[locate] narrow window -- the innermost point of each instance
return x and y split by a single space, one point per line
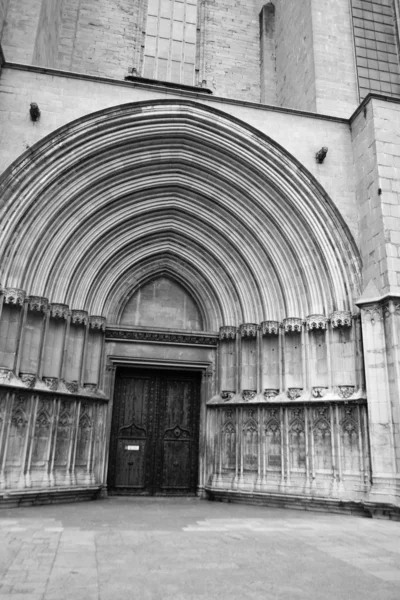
170 47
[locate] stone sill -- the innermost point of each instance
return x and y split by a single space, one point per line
168 84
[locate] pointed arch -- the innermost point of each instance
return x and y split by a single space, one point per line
173 185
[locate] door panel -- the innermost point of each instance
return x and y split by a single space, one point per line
177 434
154 444
132 430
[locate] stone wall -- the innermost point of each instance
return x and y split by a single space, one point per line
232 48
20 30
376 137
294 55
48 34
100 38
335 70
3 14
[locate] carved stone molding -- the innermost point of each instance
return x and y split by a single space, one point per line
319 392
97 323
59 311
341 318
38 304
248 395
270 327
5 375
227 332
90 387
28 379
79 317
316 322
248 330
14 296
345 391
371 314
294 393
51 383
292 324
162 338
72 386
270 393
227 395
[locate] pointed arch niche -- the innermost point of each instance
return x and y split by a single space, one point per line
162 302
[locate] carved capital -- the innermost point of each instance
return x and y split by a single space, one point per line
79 317
51 383
341 318
38 304
248 330
59 311
270 393
28 379
90 387
97 323
319 392
72 386
270 327
345 391
5 375
227 395
371 314
248 395
227 332
294 393
316 322
14 296
292 324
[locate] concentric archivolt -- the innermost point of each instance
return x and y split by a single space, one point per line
101 205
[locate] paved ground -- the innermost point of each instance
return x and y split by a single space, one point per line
183 549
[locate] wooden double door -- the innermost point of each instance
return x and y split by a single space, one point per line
155 432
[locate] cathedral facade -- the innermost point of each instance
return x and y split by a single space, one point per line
200 251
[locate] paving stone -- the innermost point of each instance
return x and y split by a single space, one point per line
153 549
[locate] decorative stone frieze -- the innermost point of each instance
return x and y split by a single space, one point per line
79 317
51 383
72 386
248 330
28 379
14 296
59 311
341 318
345 391
97 323
227 395
270 327
316 322
5 376
38 304
248 395
270 393
294 393
292 324
227 332
160 338
319 392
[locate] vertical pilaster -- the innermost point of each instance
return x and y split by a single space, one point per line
380 416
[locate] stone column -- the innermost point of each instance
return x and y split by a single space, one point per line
227 359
